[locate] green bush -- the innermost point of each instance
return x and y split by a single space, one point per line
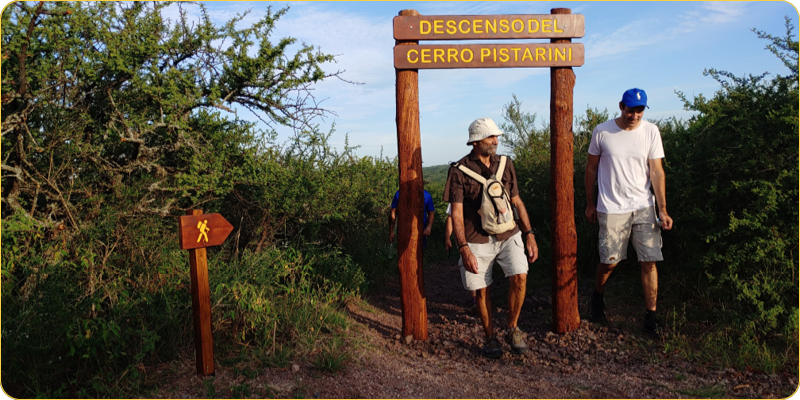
99 163
734 176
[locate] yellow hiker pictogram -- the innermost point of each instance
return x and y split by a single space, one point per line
203 230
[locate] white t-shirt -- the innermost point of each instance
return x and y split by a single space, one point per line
623 175
449 207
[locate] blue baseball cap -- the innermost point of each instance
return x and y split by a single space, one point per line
635 98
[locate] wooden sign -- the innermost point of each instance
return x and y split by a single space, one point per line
460 27
560 26
489 56
198 231
205 230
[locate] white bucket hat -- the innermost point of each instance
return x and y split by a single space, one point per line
481 129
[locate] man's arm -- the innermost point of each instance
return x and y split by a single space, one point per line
448 231
590 180
530 239
429 227
658 178
469 260
392 218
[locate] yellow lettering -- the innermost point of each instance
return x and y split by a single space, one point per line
408 55
494 54
531 29
527 54
516 53
451 27
485 53
514 25
438 54
546 25
561 53
460 29
504 26
422 25
555 26
490 26
426 53
452 55
549 54
437 26
570 54
477 24
539 53
503 54
465 59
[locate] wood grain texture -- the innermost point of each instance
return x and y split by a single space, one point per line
562 197
411 201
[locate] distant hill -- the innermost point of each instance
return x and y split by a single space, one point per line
436 173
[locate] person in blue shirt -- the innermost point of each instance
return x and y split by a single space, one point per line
427 218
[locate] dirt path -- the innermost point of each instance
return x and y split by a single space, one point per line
613 361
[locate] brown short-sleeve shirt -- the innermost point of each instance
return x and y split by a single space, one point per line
460 188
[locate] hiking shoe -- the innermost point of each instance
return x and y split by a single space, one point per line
492 348
515 339
652 325
598 308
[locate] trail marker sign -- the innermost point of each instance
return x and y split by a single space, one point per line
198 231
204 230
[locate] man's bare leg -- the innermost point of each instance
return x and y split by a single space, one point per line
601 276
649 284
484 305
516 296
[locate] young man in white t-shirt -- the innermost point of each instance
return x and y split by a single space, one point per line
625 160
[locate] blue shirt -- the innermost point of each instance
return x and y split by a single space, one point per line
428 205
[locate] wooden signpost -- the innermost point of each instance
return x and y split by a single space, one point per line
560 55
198 231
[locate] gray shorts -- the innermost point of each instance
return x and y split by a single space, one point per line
615 230
510 254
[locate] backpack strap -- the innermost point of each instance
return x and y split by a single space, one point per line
500 169
472 174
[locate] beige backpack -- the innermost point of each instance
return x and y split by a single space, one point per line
496 213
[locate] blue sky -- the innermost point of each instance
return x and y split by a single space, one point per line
661 47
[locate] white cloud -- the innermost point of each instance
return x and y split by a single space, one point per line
653 31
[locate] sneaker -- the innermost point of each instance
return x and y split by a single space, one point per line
598 308
652 325
492 348
515 339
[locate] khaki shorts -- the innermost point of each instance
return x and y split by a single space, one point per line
615 229
510 254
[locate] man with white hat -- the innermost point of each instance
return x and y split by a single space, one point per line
625 159
479 249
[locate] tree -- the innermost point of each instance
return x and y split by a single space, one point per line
112 99
736 190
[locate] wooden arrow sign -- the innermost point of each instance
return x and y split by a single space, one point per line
204 230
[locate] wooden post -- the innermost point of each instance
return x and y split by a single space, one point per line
201 308
411 202
562 196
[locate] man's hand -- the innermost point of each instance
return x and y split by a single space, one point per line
448 244
591 213
427 230
666 220
533 249
469 260
391 237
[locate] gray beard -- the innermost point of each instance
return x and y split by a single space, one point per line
487 151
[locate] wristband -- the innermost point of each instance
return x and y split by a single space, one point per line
532 232
465 244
